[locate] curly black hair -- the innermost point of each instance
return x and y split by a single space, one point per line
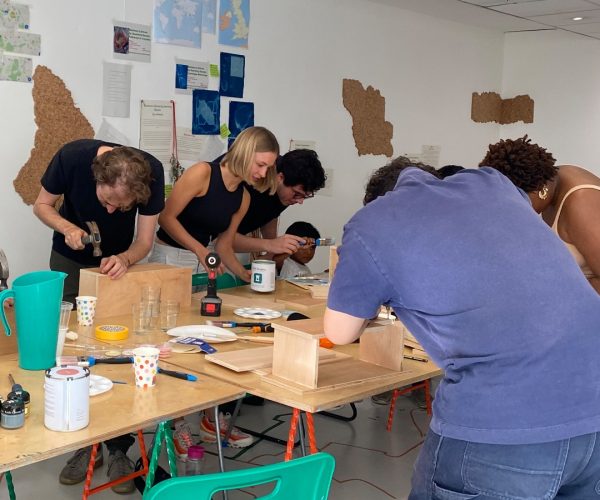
303 229
384 179
527 165
302 167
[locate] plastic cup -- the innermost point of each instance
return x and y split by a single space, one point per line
63 326
145 364
169 311
151 295
86 309
141 316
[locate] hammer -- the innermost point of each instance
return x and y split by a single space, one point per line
93 238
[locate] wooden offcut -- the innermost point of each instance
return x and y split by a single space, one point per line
115 297
333 261
383 346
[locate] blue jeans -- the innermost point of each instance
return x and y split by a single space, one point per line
450 469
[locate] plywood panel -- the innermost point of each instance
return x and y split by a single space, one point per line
254 359
383 346
115 297
341 374
295 356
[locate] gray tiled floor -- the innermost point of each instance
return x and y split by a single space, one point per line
370 462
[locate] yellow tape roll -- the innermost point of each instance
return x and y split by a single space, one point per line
112 332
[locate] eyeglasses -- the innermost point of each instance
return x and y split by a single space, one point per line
299 195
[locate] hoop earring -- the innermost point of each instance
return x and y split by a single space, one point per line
543 193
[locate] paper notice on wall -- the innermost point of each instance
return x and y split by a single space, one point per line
14 16
156 129
190 75
302 144
430 155
15 69
116 89
196 148
131 41
108 133
20 42
328 189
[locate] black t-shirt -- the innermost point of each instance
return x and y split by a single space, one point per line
70 174
263 208
205 217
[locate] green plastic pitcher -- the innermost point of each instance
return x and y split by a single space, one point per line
37 299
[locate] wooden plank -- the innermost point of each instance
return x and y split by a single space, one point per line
115 297
341 374
254 359
383 346
333 261
295 356
309 328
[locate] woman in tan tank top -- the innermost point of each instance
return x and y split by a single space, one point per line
567 197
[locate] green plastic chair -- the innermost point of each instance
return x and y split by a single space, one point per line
306 478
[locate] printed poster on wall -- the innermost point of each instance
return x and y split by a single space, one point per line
231 83
131 41
209 16
241 116
206 112
178 22
234 22
190 75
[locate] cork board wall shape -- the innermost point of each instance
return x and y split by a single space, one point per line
372 134
490 107
58 122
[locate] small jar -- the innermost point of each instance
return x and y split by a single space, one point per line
194 463
12 414
19 392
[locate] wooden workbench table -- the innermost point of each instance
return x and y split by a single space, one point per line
125 408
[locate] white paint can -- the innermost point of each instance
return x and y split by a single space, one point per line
67 398
263 276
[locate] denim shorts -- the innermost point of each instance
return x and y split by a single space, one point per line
451 469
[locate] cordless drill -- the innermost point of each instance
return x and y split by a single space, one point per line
210 305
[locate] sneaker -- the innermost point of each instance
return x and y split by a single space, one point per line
76 468
182 438
237 438
120 465
384 398
418 398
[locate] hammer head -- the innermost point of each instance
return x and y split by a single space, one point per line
93 238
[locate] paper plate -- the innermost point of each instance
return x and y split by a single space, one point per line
257 313
99 385
209 333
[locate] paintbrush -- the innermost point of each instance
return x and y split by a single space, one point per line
233 324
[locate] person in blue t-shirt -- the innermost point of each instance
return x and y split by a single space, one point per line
498 303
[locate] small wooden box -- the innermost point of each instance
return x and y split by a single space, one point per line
115 297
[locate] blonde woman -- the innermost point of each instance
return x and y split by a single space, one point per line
209 201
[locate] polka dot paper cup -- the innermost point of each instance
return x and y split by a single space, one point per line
86 309
145 364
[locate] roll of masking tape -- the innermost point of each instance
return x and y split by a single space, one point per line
112 332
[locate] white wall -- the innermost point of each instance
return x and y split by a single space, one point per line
560 72
299 53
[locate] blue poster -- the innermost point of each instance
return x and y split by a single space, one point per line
206 112
181 76
241 116
232 75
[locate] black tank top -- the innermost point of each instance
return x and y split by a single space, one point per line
205 217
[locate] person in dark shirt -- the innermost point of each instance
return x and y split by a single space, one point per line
210 200
299 176
112 185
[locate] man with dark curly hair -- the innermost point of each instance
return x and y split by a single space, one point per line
496 301
567 196
300 175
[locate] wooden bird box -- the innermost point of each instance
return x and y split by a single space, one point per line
115 297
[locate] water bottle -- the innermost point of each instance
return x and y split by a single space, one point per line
195 460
